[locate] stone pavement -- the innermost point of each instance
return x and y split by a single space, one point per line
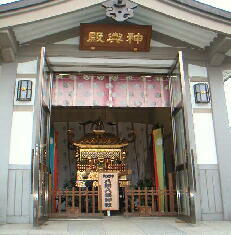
121 226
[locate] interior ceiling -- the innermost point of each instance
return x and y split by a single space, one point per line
94 65
159 116
180 30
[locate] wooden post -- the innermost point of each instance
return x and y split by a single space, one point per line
54 204
126 201
66 197
153 201
73 198
139 198
99 199
166 196
146 196
80 201
158 199
171 193
59 202
93 200
86 200
132 199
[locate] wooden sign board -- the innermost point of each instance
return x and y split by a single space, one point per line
109 195
115 37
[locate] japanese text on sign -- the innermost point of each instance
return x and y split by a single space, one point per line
109 191
107 37
115 37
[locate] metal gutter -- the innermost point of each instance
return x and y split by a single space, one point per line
20 4
205 8
193 4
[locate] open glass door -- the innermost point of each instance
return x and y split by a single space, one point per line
41 133
184 162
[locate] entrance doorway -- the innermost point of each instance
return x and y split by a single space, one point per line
147 186
176 167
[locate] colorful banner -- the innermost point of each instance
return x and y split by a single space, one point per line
56 163
51 152
159 164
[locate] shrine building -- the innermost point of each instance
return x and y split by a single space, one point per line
114 108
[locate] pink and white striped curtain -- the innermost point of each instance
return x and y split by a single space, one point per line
111 90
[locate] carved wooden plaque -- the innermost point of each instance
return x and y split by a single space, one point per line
115 37
109 191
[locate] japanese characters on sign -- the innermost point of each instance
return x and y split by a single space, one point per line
109 191
115 37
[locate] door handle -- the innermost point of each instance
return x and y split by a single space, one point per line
193 170
32 170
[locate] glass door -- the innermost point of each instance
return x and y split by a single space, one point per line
183 152
41 133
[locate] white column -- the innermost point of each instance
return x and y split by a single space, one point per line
7 81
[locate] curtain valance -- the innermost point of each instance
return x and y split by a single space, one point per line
111 90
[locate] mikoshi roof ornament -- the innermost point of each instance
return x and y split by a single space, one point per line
119 10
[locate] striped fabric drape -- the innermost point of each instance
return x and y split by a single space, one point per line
159 163
110 90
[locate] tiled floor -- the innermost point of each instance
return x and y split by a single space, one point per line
121 226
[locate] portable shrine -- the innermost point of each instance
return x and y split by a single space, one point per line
100 152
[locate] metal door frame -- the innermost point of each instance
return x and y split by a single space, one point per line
190 150
189 165
39 108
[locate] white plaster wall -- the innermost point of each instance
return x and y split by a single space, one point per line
7 81
22 123
203 120
197 71
205 140
21 138
19 201
29 67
